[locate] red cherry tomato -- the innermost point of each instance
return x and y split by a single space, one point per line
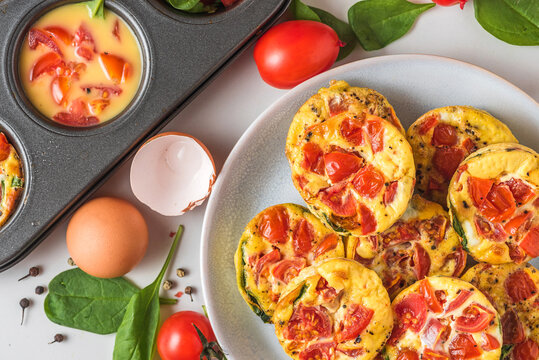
444 134
368 222
447 160
463 346
178 339
408 355
60 34
513 331
411 312
527 350
479 189
490 342
46 64
435 332
264 261
459 300
340 165
321 351
5 149
273 225
450 2
302 237
294 51
308 323
425 288
60 86
428 124
115 68
500 204
530 243
520 286
421 261
287 269
375 133
474 318
339 199
313 158
330 242
356 319
368 182
352 131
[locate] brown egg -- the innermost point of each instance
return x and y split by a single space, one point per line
107 237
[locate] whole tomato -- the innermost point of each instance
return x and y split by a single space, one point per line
178 339
450 2
294 51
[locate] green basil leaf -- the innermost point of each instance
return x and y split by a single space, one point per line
506 351
96 8
378 23
513 21
137 333
343 30
193 6
81 301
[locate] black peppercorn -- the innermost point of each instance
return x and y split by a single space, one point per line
24 303
34 271
58 338
40 290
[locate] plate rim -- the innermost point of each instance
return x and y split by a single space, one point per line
209 212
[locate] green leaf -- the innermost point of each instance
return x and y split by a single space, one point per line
301 292
343 30
513 21
81 301
84 302
378 23
458 228
16 182
506 351
193 6
96 8
137 333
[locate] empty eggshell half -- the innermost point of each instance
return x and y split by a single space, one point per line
172 173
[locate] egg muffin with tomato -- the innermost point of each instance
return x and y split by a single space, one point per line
421 243
493 200
355 171
336 309
275 246
512 289
443 137
442 317
11 179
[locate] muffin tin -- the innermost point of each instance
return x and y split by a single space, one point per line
63 165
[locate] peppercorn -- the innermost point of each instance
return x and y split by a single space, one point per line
180 272
189 291
40 290
34 271
57 338
71 262
167 285
24 303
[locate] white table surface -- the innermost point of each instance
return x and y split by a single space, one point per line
218 117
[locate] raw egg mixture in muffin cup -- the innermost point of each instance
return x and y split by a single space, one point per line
337 309
443 137
355 171
421 243
444 318
512 289
11 179
80 71
493 200
276 245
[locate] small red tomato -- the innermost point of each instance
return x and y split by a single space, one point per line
450 2
294 51
178 338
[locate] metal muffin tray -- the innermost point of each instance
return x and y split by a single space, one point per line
63 166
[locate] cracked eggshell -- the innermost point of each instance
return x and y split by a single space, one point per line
172 173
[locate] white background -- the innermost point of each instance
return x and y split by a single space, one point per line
218 117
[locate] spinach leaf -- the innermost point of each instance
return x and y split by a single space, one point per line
458 228
16 182
138 331
84 302
378 23
513 21
96 8
343 30
193 6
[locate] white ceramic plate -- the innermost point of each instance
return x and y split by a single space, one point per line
257 175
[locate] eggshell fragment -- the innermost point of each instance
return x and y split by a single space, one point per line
172 173
107 237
